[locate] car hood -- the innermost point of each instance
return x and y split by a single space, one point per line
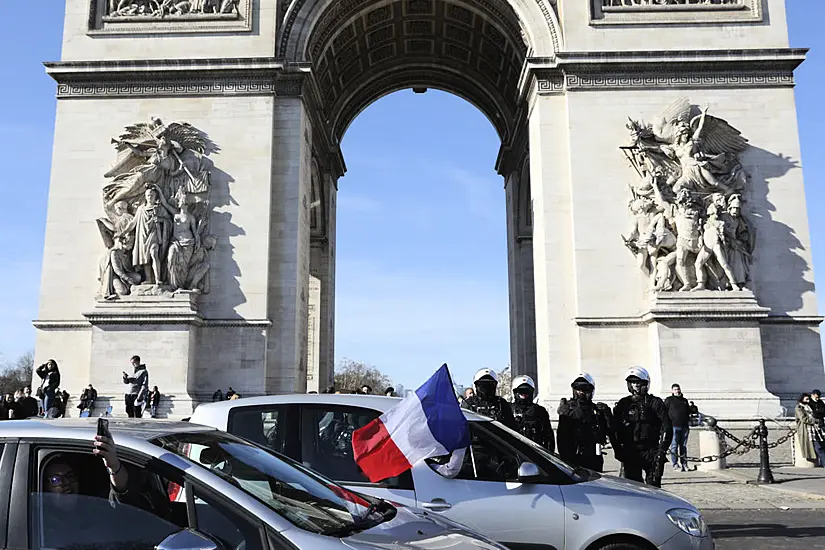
414 529
619 484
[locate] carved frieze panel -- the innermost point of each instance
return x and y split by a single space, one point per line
169 16
658 12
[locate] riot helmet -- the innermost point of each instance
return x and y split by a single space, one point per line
638 381
583 386
524 390
485 382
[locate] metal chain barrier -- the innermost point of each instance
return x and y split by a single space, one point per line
742 446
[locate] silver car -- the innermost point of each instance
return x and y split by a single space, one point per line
508 488
190 487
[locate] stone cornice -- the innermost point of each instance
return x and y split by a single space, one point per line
678 69
178 77
85 324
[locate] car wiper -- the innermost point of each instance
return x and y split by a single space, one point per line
364 522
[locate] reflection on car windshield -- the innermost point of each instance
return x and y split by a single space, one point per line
507 434
302 497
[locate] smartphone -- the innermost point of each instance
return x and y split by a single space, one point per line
103 426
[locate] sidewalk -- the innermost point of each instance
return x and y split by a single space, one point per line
796 488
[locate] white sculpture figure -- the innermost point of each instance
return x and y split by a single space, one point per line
684 158
185 240
153 227
713 241
740 241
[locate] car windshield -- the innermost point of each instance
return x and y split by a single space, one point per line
502 431
302 497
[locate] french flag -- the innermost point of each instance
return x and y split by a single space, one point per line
428 423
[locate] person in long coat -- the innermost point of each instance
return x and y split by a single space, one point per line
807 431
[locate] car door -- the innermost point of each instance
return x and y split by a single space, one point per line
326 447
39 520
487 495
8 452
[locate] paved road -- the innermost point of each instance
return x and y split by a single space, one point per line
767 529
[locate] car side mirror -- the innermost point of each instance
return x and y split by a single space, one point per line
188 539
528 472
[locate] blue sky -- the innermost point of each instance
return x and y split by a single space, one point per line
422 259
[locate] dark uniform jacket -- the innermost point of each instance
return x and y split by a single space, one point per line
642 425
494 407
533 422
582 426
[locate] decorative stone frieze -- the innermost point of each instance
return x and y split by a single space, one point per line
686 12
169 16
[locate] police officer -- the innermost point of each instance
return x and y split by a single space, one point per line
644 431
584 426
485 401
532 420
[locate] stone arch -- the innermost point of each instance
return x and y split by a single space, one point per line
537 18
361 50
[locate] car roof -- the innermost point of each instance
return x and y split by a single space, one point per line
86 428
376 402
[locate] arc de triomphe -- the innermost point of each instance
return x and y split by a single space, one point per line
649 151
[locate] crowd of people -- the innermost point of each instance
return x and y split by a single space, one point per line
810 427
641 428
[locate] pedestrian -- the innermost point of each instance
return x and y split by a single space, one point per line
138 387
217 396
29 406
10 408
62 403
50 374
154 399
229 393
643 430
484 400
366 389
808 433
389 392
584 426
679 412
87 400
818 407
532 420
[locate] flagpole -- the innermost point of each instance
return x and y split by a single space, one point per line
450 378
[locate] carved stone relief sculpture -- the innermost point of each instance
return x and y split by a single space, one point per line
159 9
687 230
156 223
669 3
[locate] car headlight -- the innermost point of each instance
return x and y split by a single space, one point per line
688 521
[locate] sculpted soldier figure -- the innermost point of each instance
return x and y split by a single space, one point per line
185 241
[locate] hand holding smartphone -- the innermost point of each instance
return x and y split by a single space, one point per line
103 427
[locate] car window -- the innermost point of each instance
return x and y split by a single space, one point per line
71 506
229 527
297 494
326 445
488 458
263 426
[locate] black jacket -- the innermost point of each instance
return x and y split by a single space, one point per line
51 379
533 422
495 407
643 422
582 426
818 408
679 410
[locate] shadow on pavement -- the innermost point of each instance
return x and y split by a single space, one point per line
741 531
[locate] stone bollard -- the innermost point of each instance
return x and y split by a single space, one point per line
710 444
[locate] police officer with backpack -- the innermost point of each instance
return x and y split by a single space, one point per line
643 428
584 426
532 420
485 401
